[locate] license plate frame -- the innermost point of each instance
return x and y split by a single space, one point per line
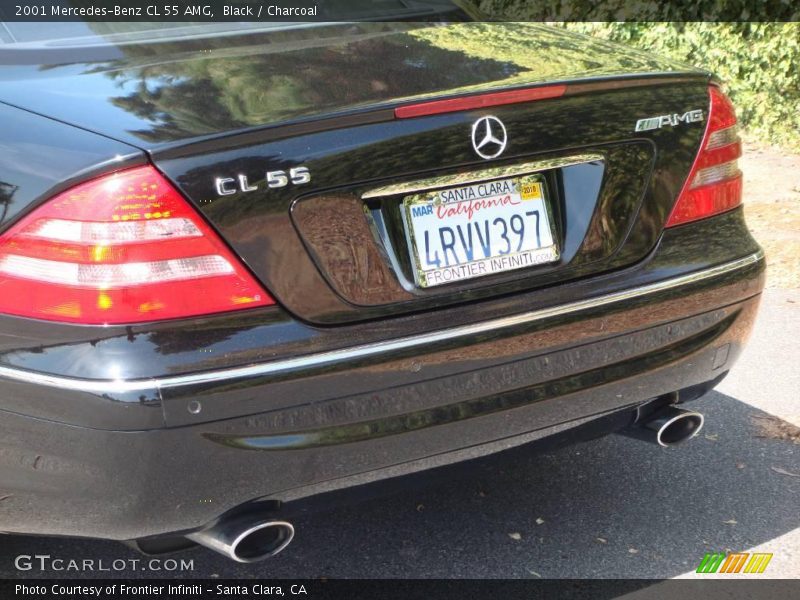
530 188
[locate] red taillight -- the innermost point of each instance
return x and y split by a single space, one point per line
714 184
124 248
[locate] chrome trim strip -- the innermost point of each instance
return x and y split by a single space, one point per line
457 179
344 354
99 386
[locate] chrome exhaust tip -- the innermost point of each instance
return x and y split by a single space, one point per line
245 539
668 426
677 426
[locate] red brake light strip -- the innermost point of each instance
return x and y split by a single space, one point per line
435 107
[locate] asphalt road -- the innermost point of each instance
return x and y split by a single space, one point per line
613 507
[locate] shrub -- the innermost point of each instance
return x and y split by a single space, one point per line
758 63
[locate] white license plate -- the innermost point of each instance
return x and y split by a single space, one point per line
478 230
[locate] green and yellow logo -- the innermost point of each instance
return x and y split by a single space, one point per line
735 562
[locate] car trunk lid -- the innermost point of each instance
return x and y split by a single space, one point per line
170 90
337 248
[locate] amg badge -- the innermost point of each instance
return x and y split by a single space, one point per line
693 116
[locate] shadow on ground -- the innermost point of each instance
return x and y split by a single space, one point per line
613 507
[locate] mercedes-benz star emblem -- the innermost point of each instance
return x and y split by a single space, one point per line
489 137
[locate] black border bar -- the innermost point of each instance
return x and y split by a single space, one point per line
410 589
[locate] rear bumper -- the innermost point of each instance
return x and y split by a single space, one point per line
63 479
148 456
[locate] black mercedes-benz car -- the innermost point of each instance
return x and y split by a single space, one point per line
242 265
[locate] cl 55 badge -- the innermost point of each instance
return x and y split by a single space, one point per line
693 116
275 179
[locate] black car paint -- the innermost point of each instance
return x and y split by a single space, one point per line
178 110
166 480
172 94
344 147
289 436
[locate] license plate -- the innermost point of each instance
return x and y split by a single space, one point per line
478 230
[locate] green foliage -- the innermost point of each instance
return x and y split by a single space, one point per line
759 63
